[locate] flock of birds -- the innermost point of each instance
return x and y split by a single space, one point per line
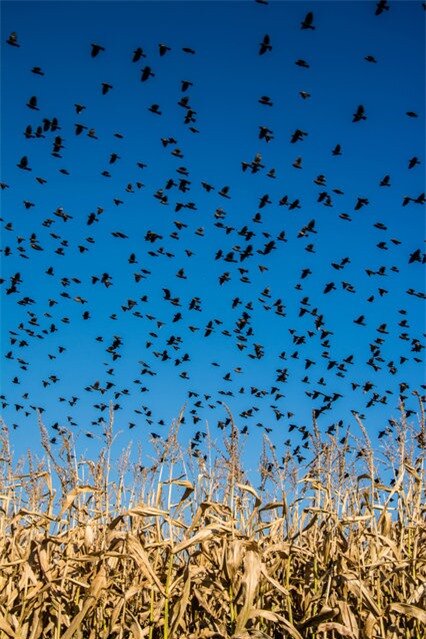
170 323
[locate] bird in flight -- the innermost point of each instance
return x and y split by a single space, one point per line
307 22
13 39
359 114
265 45
96 49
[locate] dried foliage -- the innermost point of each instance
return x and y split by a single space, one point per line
189 549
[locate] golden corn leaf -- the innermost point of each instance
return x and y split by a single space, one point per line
409 611
69 498
329 626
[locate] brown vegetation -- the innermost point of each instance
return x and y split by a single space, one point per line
189 549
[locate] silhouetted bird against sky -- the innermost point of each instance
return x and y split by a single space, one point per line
265 45
307 22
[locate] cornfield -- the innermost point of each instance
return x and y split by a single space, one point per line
188 548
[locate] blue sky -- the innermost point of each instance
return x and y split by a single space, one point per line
228 77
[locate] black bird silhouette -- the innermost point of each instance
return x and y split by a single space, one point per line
23 163
360 320
414 161
138 54
96 49
265 45
302 63
359 114
298 135
146 74
163 49
265 134
417 256
106 87
381 6
155 108
185 84
13 39
307 22
32 103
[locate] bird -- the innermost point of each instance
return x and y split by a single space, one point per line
138 54
96 49
298 135
163 49
360 320
307 22
417 256
265 133
13 39
32 103
414 161
155 108
185 85
265 45
359 114
23 163
106 87
147 73
381 6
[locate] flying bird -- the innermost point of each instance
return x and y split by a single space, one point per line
13 39
163 49
146 74
381 6
106 87
138 54
265 45
32 103
359 114
307 22
414 161
23 163
96 49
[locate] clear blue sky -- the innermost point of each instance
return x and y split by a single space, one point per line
228 77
